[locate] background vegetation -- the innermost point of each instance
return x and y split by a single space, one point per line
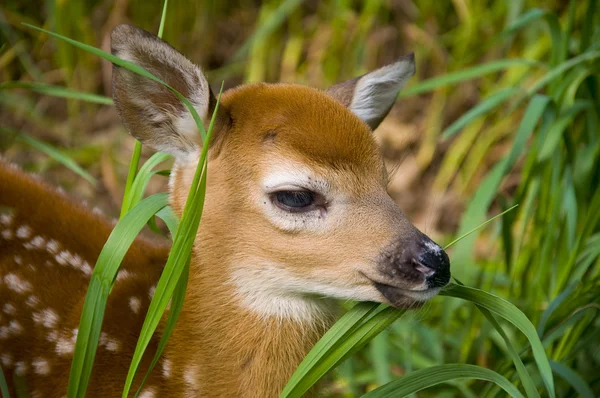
504 110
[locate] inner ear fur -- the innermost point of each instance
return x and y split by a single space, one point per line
372 95
150 111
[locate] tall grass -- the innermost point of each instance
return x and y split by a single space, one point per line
533 139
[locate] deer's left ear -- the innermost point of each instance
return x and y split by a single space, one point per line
371 96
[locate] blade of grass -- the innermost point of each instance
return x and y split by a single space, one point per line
57 91
101 282
424 378
464 75
480 109
524 375
136 190
51 152
573 379
480 226
3 384
513 315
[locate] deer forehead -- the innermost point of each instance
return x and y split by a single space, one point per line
302 123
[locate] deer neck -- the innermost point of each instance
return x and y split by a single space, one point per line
227 347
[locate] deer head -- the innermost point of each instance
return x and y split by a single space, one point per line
296 202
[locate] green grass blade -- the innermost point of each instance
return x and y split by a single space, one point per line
524 375
464 75
478 206
57 91
102 279
480 226
133 167
174 312
424 378
559 71
163 17
141 180
574 379
3 384
480 109
513 315
167 214
275 20
51 152
298 384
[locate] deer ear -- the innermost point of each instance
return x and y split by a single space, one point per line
150 111
371 96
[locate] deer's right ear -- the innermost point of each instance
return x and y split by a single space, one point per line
150 111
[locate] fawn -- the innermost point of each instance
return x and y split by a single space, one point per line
296 214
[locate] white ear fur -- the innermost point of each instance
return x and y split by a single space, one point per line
150 111
371 96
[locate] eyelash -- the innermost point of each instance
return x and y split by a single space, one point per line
297 201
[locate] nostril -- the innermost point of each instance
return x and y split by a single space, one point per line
424 269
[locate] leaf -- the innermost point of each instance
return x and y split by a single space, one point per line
574 379
51 152
480 109
513 315
57 91
103 277
424 378
464 75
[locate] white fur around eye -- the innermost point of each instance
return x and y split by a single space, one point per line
293 177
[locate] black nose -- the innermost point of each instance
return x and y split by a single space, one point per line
433 262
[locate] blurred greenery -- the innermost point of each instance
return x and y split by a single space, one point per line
504 110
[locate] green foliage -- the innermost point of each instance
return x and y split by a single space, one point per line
537 123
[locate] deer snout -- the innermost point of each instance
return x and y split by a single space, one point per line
411 271
432 261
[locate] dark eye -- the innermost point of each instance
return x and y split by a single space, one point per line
294 201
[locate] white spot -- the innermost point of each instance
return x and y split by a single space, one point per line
47 263
147 393
46 317
135 304
52 246
166 368
32 301
123 274
20 368
15 327
7 234
109 343
41 366
86 269
23 232
64 257
9 309
17 284
4 332
18 260
64 346
190 377
38 242
5 219
151 292
52 336
6 359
